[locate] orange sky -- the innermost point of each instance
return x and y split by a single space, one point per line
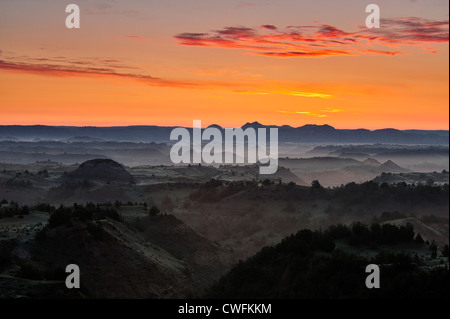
282 62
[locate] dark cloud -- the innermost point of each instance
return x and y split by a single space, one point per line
269 26
304 54
74 70
237 32
408 31
322 40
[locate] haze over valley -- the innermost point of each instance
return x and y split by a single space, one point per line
191 223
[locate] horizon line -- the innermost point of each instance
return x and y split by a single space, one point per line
214 124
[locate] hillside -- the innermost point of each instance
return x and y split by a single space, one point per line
334 171
332 263
434 178
104 170
146 257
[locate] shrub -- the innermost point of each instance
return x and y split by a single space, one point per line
41 234
95 230
59 217
28 271
154 211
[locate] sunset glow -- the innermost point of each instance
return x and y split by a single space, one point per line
225 62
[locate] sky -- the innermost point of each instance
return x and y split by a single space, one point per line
283 62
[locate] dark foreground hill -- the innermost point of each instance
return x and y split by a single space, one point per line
152 256
332 264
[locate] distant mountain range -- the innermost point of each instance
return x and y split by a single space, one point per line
303 134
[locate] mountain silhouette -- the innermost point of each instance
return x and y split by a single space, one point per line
309 133
254 125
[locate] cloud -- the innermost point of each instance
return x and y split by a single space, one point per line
134 38
317 53
306 113
73 71
380 52
304 94
231 37
322 40
269 26
64 67
408 31
314 114
329 110
251 92
60 62
286 92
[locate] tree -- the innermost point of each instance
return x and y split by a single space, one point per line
433 248
419 239
444 251
25 210
316 185
154 211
